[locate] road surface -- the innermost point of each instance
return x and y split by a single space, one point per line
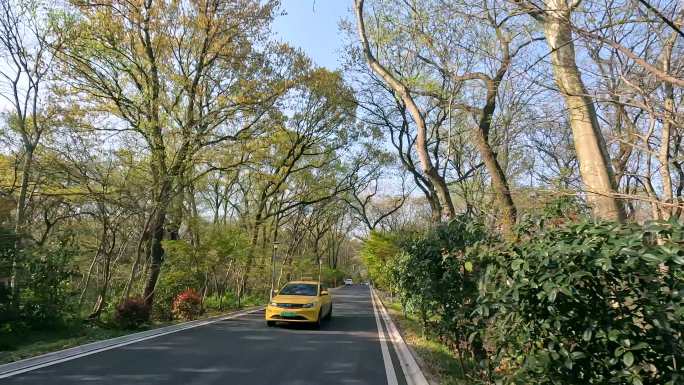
346 350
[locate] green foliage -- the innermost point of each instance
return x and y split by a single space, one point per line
186 266
570 303
44 300
378 250
588 303
174 280
180 272
253 300
332 277
219 303
433 278
46 274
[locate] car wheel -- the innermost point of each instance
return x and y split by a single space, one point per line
270 323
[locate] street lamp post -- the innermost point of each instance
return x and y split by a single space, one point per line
273 255
319 271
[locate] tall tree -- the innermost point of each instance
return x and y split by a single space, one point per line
26 47
403 92
594 162
181 75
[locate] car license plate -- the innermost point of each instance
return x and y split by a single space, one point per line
288 314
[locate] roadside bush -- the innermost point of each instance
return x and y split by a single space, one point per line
254 299
172 282
434 279
587 304
187 305
132 313
217 302
568 303
180 271
45 295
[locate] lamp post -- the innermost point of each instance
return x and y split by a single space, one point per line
273 255
319 271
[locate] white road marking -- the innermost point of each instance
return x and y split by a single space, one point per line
387 359
109 347
412 372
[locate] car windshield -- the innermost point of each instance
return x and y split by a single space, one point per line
299 289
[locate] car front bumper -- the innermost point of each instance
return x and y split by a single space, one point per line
278 314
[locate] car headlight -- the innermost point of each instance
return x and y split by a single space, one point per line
274 304
308 305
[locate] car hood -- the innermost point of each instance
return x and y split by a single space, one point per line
298 299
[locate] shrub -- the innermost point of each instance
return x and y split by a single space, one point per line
569 303
187 305
253 299
588 303
434 279
132 313
45 298
217 302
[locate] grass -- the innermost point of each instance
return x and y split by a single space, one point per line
24 345
438 363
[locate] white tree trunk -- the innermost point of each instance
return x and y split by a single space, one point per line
595 167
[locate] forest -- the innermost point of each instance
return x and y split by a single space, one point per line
511 171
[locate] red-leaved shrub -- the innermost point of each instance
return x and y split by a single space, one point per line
132 313
187 305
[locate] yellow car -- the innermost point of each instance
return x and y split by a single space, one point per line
300 301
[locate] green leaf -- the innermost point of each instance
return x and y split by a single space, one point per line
587 335
468 266
515 265
628 359
651 258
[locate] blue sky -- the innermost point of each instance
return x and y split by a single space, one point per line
313 26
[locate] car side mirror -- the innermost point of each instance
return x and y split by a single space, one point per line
275 292
324 292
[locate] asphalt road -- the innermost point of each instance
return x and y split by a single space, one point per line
346 350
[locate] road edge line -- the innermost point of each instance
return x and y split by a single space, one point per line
412 371
386 358
56 357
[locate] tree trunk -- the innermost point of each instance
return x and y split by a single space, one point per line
421 139
102 297
157 236
595 166
664 151
500 185
20 219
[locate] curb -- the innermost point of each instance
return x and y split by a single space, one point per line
43 360
412 372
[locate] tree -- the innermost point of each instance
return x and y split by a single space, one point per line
594 162
26 47
403 92
182 76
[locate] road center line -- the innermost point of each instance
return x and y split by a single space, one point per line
389 367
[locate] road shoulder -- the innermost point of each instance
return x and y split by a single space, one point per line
407 358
